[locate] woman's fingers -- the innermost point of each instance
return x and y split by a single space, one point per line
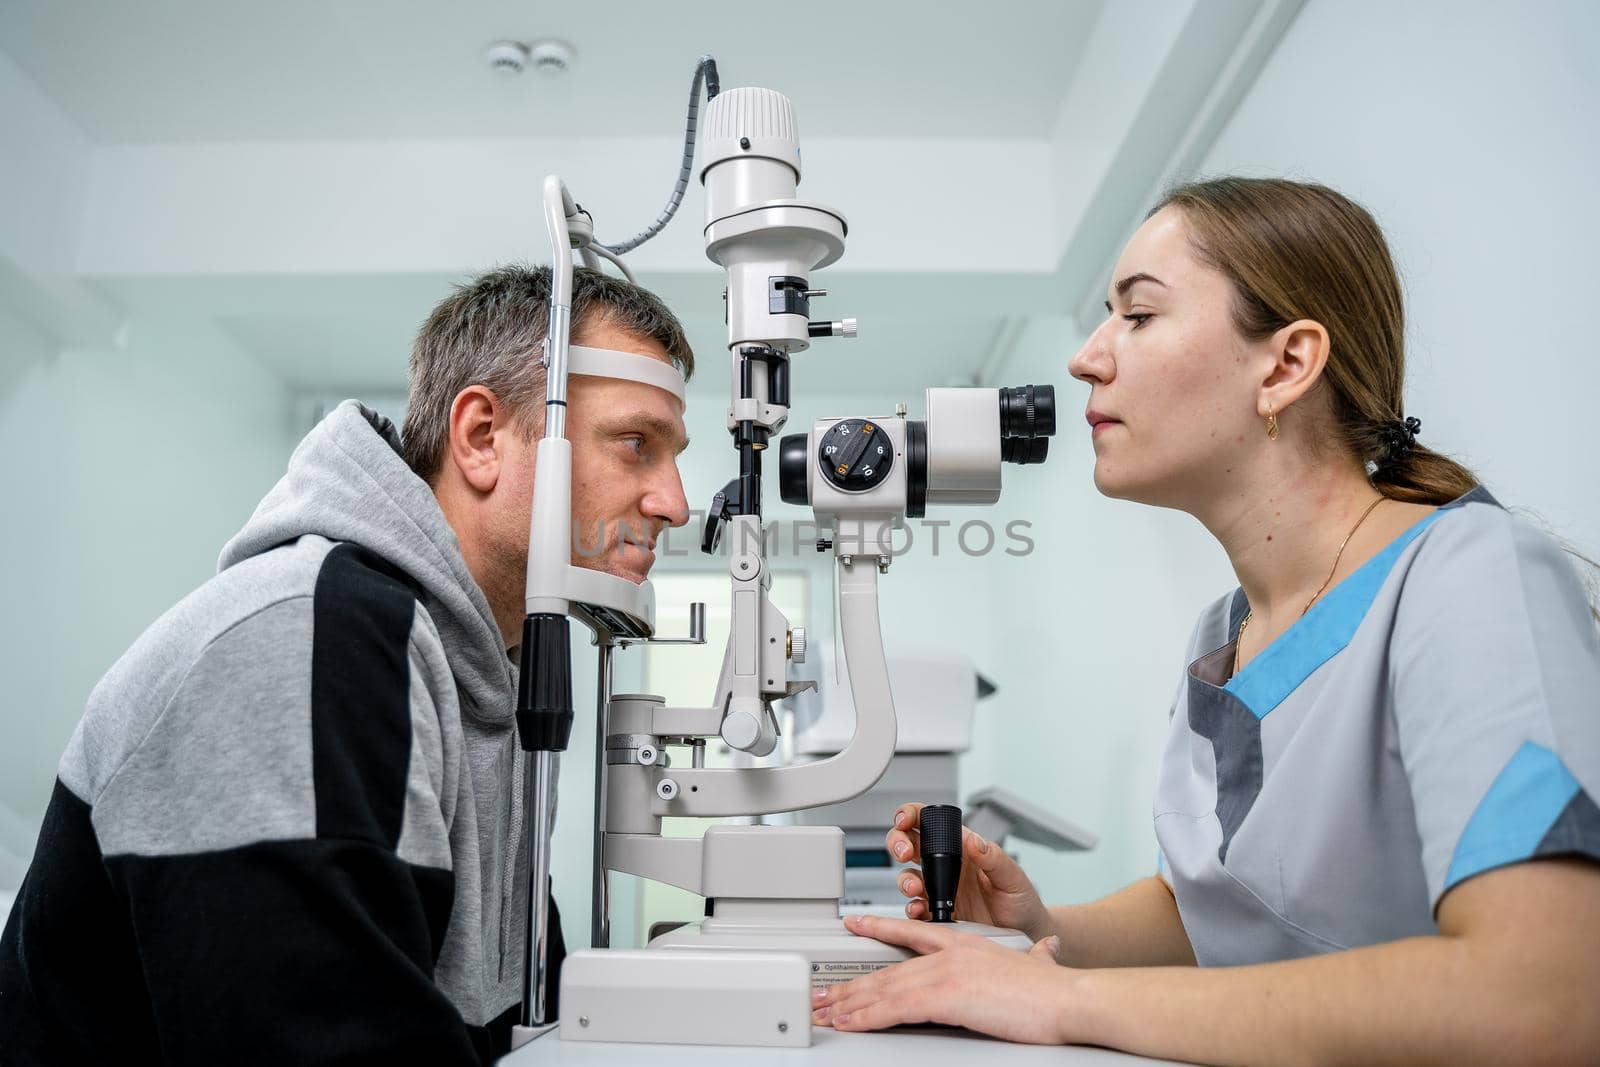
1047 948
904 839
906 816
904 847
910 885
900 1010
916 973
919 937
891 1006
992 862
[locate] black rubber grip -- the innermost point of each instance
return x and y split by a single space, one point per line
941 828
544 687
941 859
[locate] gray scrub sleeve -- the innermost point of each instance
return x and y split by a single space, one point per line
1495 676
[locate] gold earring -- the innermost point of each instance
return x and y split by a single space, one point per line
1272 425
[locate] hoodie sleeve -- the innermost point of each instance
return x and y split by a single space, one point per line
280 840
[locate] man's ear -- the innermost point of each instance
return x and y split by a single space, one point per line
1300 353
476 427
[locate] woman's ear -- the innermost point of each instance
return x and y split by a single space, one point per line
473 439
1300 352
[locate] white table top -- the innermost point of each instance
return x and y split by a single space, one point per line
921 1047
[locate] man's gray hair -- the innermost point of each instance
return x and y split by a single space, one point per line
490 332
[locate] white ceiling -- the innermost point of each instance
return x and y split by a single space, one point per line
994 156
205 70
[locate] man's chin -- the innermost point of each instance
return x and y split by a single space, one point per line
631 563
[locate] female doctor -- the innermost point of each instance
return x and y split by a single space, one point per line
1376 805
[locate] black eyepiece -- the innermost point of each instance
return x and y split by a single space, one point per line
1028 411
1024 450
940 825
793 454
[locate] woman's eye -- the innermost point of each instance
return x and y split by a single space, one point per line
1138 318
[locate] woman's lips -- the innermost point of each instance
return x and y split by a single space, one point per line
1098 422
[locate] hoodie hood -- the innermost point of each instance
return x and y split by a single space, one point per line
347 481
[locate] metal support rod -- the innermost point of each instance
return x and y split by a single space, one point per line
558 206
749 474
539 797
555 376
600 901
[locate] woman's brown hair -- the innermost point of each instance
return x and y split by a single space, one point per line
1296 250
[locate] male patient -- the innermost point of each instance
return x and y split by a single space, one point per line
289 826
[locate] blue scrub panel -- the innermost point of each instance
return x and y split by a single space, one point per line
1320 634
1516 813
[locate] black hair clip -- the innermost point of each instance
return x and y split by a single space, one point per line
1399 438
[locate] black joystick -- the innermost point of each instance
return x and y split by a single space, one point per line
941 858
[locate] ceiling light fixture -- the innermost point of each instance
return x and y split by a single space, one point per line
549 57
507 57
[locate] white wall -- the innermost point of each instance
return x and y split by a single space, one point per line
132 452
44 172
125 473
1469 130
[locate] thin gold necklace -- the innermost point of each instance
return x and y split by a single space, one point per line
1239 641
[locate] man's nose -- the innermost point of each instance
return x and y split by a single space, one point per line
666 502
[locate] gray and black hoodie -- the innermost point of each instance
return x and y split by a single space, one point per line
287 828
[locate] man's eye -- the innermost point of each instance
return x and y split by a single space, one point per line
636 444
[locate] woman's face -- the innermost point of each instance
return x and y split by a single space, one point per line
1173 385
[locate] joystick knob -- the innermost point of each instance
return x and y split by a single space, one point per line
941 858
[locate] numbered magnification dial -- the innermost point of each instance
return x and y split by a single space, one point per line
855 454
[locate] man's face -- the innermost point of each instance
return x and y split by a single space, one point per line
626 437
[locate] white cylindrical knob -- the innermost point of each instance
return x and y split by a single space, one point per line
797 644
740 730
847 328
666 789
749 732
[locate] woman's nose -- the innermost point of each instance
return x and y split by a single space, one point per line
1093 363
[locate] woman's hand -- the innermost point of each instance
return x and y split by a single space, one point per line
958 979
992 889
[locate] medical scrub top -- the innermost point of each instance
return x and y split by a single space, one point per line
1434 716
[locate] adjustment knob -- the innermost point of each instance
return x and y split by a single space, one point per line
750 732
836 328
940 826
797 644
855 454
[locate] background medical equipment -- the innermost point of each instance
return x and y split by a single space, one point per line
936 696
743 975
